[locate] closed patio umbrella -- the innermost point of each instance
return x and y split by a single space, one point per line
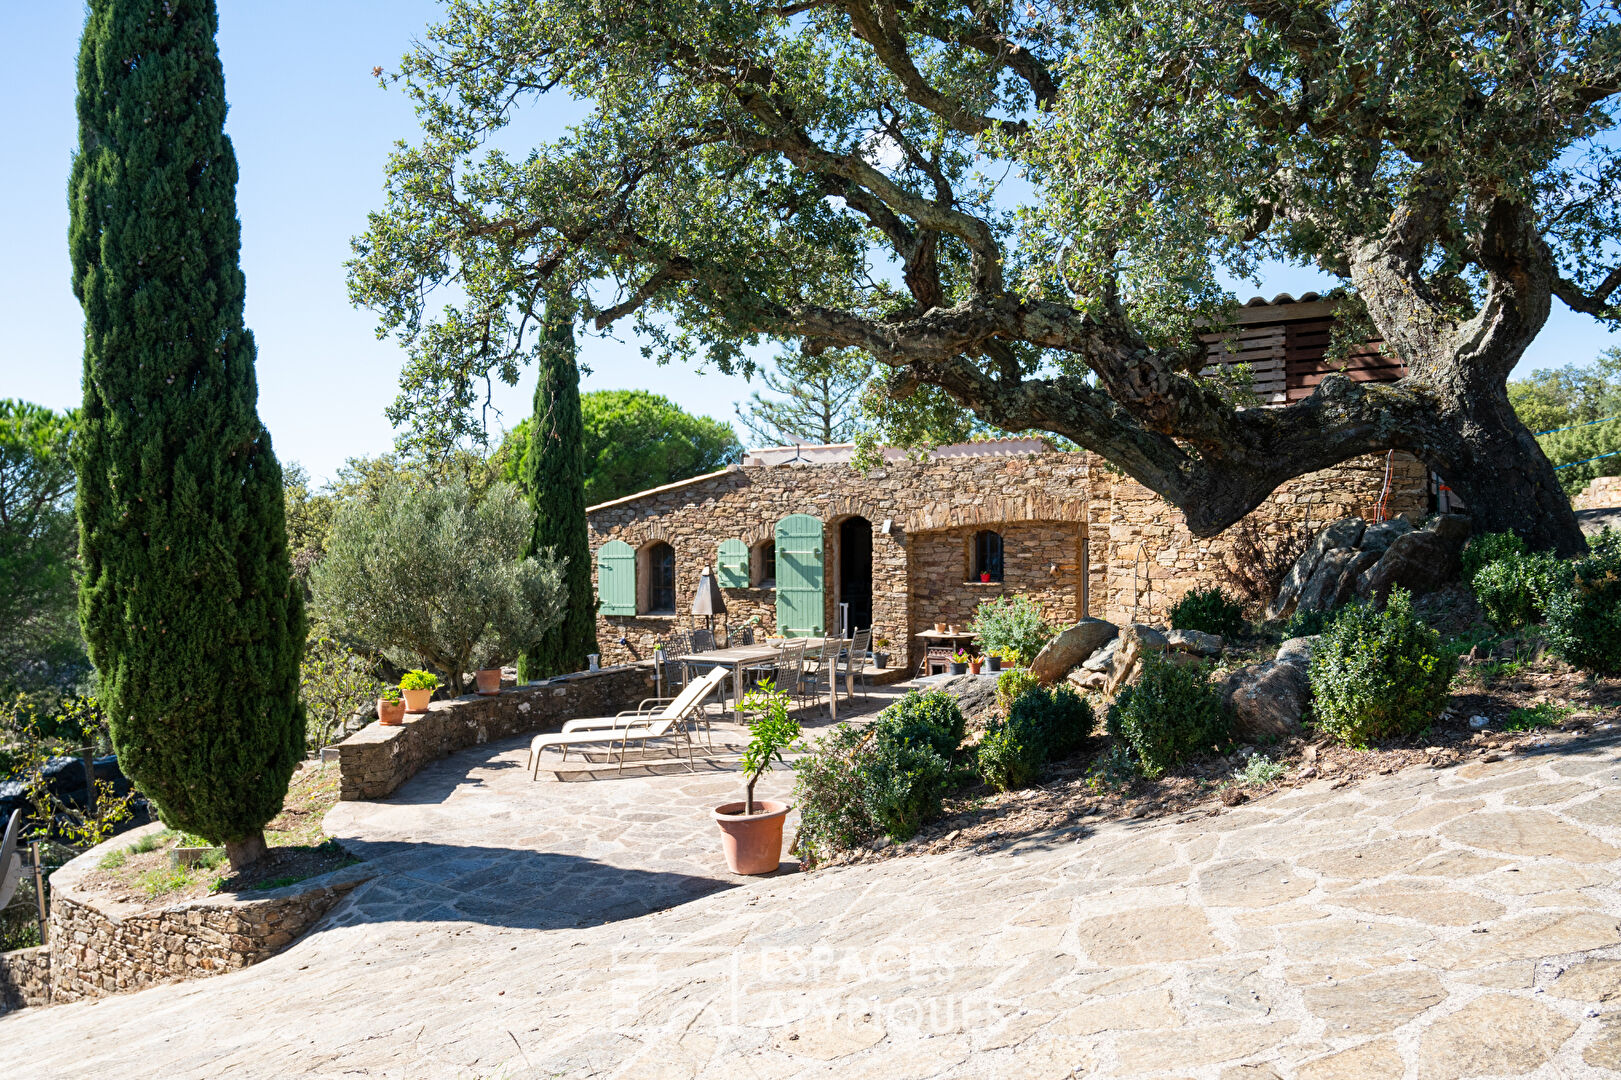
708 601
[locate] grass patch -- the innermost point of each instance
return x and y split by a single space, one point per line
114 859
1544 714
165 880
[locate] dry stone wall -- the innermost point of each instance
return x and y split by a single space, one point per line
1078 535
1604 492
99 946
377 759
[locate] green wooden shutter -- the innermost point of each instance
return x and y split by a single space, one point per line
616 578
732 565
799 576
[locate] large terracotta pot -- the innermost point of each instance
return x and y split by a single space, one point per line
390 713
753 844
416 701
489 680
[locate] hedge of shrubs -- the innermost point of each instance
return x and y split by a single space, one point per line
1579 600
1039 725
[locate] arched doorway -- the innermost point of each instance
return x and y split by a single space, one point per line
855 571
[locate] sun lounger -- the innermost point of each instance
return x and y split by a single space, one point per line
605 732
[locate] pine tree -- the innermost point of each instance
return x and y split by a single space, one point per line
553 472
818 402
187 600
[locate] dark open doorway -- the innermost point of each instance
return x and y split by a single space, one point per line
855 571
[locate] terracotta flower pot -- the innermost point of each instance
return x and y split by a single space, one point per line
390 713
939 628
416 701
753 844
973 667
489 681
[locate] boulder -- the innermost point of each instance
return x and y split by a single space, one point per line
1297 650
1267 699
1136 639
1103 659
1343 533
1069 648
1318 594
1378 537
975 694
1192 641
1419 561
1082 679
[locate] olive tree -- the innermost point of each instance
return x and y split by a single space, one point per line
1028 206
428 575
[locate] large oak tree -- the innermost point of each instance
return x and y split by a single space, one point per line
1028 204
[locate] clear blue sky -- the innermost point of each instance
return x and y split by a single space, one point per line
311 129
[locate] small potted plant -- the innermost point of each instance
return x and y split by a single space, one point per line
418 686
939 628
985 577
994 659
488 681
880 658
751 832
959 663
973 664
390 709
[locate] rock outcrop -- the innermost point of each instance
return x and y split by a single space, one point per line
1269 699
1072 646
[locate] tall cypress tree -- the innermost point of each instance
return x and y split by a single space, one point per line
554 478
187 600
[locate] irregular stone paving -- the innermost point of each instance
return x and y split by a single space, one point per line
1423 926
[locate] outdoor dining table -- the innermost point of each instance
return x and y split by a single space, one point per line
740 656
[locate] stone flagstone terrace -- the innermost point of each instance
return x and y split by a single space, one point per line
1431 924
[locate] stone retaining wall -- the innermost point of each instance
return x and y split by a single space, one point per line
1603 493
376 759
25 978
99 946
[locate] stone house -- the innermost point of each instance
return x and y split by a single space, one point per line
802 543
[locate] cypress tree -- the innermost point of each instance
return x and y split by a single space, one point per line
187 599
554 478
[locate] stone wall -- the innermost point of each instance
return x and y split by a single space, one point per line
25 978
1077 534
376 759
1604 492
100 946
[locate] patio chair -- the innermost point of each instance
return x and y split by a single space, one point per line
785 670
703 640
825 671
858 656
672 720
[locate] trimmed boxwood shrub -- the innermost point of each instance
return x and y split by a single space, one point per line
1377 674
1059 719
1011 684
1485 549
933 719
1009 755
1171 713
1209 611
1515 590
1584 620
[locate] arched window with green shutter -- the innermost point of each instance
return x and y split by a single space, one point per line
616 578
799 576
732 565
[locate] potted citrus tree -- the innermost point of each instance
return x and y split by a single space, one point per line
750 831
390 709
418 687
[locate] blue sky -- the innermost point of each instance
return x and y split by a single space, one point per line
312 129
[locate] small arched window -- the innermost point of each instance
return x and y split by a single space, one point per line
659 560
987 556
763 564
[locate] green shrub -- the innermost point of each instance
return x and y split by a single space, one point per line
1058 720
1171 713
1487 548
1010 684
1009 756
1376 674
1209 611
1307 623
1515 590
1584 620
933 719
419 680
885 779
1011 625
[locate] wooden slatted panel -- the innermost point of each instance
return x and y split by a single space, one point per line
732 565
616 578
1305 366
1262 348
799 576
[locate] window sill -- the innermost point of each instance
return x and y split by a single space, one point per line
986 584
